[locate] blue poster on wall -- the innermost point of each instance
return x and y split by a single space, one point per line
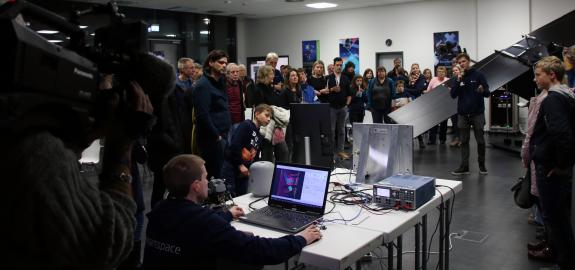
446 47
310 52
349 51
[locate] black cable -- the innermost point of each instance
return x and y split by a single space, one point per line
452 203
434 231
331 208
250 205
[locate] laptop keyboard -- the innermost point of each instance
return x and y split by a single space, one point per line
291 217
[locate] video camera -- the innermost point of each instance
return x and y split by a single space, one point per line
45 85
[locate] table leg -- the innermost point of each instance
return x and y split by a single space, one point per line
446 235
441 234
424 242
417 247
399 252
390 255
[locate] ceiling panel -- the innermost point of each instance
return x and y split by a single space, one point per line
250 8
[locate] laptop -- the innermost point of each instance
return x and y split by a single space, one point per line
297 198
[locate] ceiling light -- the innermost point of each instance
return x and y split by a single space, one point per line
154 28
83 26
321 5
48 32
55 40
204 32
171 35
206 21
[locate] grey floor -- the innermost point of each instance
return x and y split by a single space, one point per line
494 231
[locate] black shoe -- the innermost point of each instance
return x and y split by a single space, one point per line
544 254
442 142
430 143
461 171
482 169
537 245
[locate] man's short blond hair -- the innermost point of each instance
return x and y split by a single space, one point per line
552 64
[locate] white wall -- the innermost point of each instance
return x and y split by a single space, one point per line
483 25
410 26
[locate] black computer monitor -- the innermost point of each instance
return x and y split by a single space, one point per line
312 121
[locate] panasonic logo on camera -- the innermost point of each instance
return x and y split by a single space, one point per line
83 74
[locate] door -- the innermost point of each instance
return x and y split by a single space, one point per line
385 59
170 50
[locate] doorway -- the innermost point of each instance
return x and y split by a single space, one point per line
168 49
385 59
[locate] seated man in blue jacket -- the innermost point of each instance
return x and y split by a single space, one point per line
181 234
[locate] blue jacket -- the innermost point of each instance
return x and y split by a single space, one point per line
370 87
470 101
183 235
416 89
245 144
211 104
308 93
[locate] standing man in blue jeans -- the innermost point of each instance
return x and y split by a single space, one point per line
339 98
470 87
212 112
551 147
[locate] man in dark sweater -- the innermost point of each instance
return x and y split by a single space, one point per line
181 234
240 154
470 87
551 147
213 120
339 98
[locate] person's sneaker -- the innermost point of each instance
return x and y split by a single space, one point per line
544 254
537 245
482 169
461 171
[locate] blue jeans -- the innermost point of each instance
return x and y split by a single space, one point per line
212 152
464 124
380 116
442 132
338 126
236 184
555 201
570 77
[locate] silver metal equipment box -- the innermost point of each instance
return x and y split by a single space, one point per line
381 150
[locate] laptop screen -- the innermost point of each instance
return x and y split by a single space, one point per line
300 186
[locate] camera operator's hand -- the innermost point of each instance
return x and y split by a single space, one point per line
140 101
237 212
311 234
